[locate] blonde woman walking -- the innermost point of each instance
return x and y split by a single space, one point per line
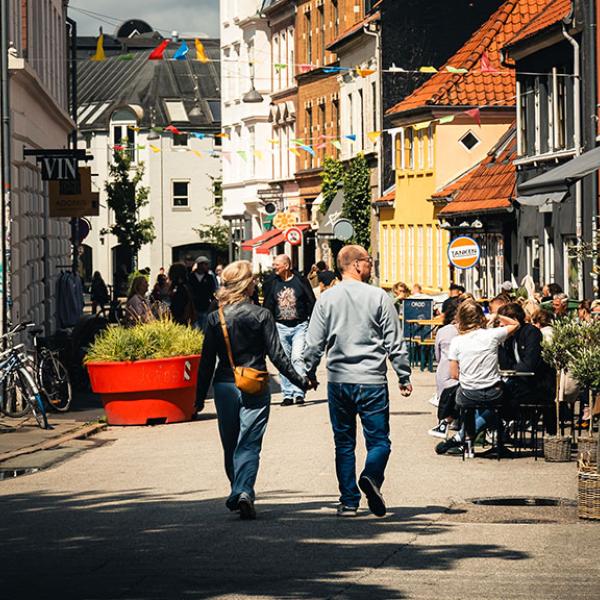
241 334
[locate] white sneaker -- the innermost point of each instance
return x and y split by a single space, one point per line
440 430
434 400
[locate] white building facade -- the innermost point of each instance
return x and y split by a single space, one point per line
39 119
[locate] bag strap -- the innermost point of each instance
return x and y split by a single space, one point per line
226 336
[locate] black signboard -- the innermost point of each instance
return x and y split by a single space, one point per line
417 309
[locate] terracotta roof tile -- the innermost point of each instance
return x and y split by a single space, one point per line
475 88
389 196
354 29
490 186
555 11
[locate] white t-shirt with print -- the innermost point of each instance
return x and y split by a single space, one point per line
477 356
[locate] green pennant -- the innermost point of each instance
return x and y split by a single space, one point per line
127 56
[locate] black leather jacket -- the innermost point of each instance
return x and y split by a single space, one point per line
253 335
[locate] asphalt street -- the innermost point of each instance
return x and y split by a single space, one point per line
140 515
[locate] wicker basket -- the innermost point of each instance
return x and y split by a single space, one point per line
557 449
588 492
588 447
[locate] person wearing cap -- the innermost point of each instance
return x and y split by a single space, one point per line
203 285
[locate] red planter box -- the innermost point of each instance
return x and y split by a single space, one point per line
146 392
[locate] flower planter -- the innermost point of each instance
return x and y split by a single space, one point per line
146 392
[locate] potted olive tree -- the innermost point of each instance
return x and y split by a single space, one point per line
146 374
557 353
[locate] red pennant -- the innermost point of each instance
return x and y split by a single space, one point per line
304 68
475 114
158 52
486 64
172 129
118 148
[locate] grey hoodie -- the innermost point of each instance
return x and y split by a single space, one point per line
358 325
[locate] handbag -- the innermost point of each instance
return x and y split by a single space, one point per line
248 380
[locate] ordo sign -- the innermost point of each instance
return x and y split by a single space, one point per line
464 252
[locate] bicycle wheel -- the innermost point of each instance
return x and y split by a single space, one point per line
32 396
54 382
14 401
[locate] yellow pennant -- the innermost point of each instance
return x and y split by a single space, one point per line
225 136
197 153
133 128
154 148
259 154
428 70
364 72
99 56
374 136
295 151
423 125
274 142
200 52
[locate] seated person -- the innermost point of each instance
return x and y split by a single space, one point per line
473 357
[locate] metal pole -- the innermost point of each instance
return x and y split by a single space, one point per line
6 169
74 103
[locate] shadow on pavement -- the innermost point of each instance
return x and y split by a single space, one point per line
136 544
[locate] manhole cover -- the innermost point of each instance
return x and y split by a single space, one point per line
523 501
12 473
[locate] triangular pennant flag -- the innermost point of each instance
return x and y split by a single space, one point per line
395 69
154 148
279 67
374 136
157 129
447 119
351 137
422 125
118 148
321 146
181 51
197 153
485 65
274 142
200 52
222 135
127 56
308 149
172 129
259 154
337 144
298 141
475 114
455 70
364 72
243 155
140 147
295 151
99 56
427 70
158 52
304 68
133 128
200 136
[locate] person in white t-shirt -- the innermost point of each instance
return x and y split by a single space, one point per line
473 357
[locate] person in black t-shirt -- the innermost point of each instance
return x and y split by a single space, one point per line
291 300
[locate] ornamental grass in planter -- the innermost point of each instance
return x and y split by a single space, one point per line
146 374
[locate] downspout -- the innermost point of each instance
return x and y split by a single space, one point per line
379 116
577 140
5 189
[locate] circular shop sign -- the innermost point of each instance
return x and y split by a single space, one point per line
294 236
343 230
464 252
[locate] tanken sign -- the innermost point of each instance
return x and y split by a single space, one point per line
464 252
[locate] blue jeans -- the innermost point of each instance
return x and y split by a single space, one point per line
293 340
201 319
242 424
371 403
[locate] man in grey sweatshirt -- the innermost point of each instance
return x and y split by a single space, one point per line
359 327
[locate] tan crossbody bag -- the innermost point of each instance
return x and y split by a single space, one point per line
248 380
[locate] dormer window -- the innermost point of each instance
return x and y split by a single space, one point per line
123 125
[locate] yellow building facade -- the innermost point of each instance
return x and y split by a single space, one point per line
412 244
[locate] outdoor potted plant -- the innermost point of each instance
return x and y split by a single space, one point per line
146 374
557 353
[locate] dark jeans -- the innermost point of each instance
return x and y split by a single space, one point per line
474 403
371 403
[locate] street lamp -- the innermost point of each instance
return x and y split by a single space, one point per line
252 96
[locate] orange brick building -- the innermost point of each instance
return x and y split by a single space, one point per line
318 23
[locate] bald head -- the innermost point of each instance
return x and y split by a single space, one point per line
283 259
282 265
347 256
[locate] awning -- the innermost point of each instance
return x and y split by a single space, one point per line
559 178
261 239
279 238
541 199
332 216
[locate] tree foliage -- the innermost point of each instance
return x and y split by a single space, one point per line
216 233
357 199
332 174
125 198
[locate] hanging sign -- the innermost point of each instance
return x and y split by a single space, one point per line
343 230
294 236
284 220
58 165
464 252
74 198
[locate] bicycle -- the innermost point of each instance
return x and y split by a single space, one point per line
52 376
21 393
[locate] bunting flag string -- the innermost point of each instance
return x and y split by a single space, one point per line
159 51
200 52
181 51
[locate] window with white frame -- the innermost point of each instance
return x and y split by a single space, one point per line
411 255
532 246
410 148
469 140
374 123
361 116
277 69
421 148
394 253
180 140
420 254
225 70
290 57
123 124
402 257
571 267
233 71
384 253
430 147
181 193
430 255
439 235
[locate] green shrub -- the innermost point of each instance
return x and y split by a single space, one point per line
162 338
